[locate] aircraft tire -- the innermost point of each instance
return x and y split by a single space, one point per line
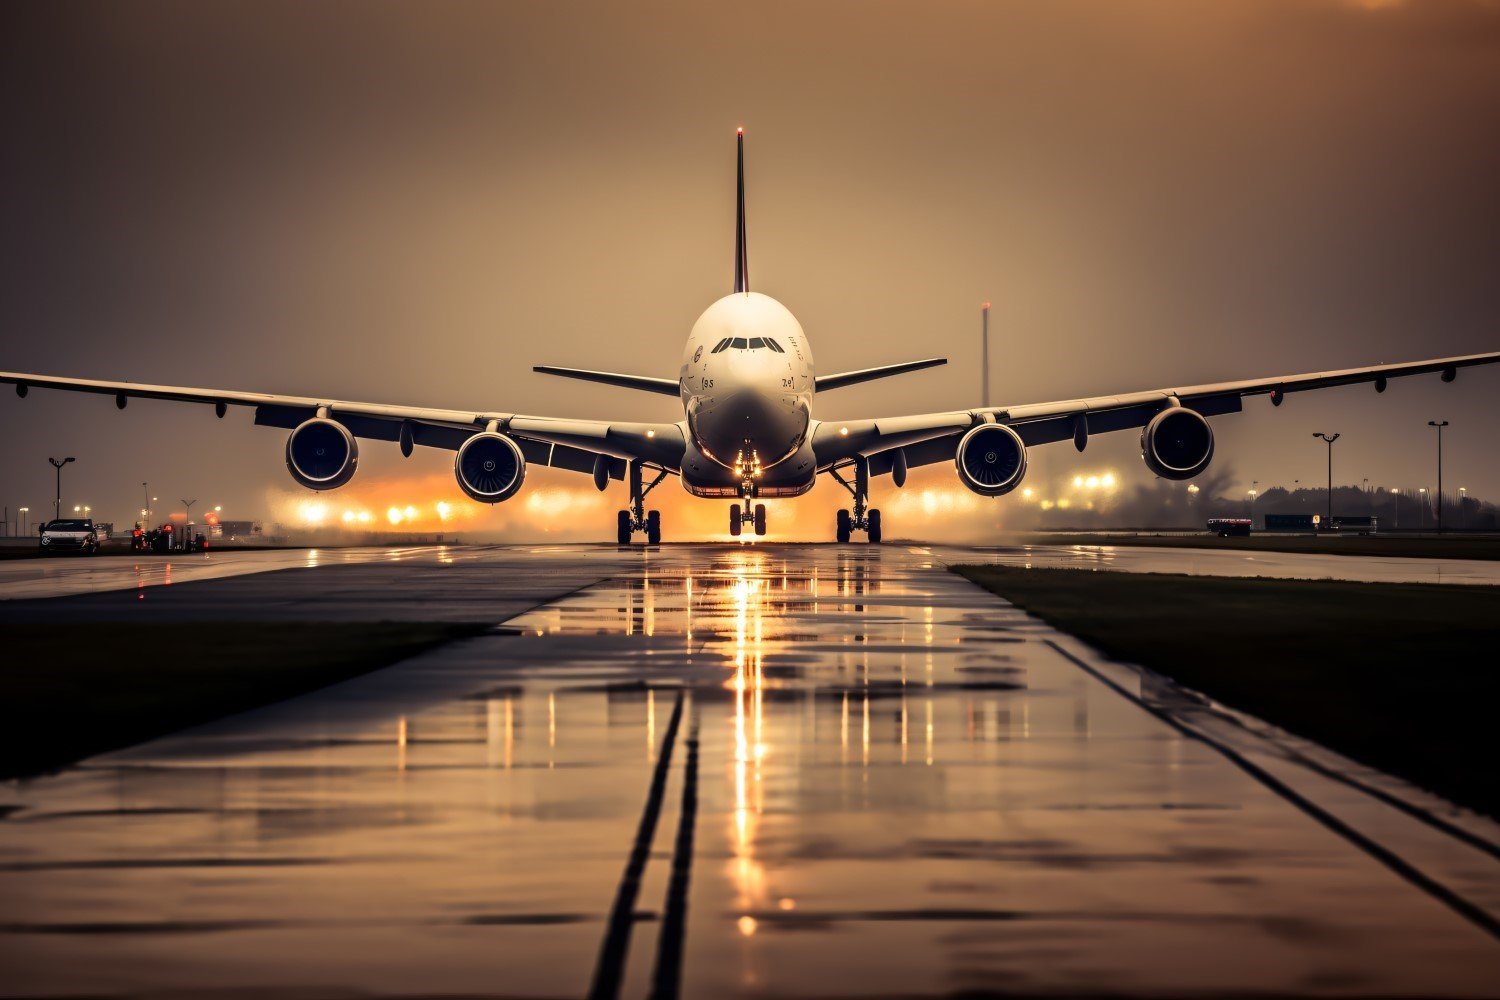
622 527
760 519
843 529
872 532
734 520
653 527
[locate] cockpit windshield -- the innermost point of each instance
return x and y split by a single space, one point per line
747 344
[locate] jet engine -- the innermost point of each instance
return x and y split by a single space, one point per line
489 467
321 454
991 460
1177 443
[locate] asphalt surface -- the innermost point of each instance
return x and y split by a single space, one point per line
467 577
1223 562
722 771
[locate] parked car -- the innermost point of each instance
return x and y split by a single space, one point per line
74 534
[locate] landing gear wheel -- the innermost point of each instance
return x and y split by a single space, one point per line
622 527
842 533
872 527
653 528
734 520
760 519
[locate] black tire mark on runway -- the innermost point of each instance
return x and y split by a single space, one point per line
666 978
616 944
1397 864
1397 803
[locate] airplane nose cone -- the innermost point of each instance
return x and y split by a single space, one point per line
749 422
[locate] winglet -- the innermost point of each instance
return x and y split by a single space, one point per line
741 259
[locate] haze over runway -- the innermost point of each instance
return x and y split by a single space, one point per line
723 771
419 205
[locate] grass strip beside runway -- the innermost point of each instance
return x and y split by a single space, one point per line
70 692
1484 548
1398 676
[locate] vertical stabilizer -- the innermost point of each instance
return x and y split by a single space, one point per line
741 260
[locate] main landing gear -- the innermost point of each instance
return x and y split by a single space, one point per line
739 516
862 518
637 518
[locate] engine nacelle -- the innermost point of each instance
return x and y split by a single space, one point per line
1177 443
489 467
321 454
991 460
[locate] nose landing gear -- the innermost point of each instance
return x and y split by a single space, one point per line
637 518
862 518
739 516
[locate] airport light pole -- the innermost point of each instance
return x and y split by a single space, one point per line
1439 424
57 503
23 511
984 356
187 526
1463 512
1330 438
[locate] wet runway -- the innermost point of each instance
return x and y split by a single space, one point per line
1227 562
26 580
724 771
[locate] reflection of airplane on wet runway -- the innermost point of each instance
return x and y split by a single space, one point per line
746 385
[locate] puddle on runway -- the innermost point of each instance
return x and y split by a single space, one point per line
877 782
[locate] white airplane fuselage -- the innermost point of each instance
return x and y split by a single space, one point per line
747 387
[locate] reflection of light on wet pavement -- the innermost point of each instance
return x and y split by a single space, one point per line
1228 562
905 790
748 684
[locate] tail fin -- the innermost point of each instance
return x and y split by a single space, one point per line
741 260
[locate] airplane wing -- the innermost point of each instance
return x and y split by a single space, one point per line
568 444
825 382
645 383
933 437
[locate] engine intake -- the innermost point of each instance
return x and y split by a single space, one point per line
489 467
321 454
991 460
1177 443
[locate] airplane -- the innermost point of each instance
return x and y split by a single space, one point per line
747 385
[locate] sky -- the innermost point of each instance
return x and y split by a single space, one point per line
415 203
